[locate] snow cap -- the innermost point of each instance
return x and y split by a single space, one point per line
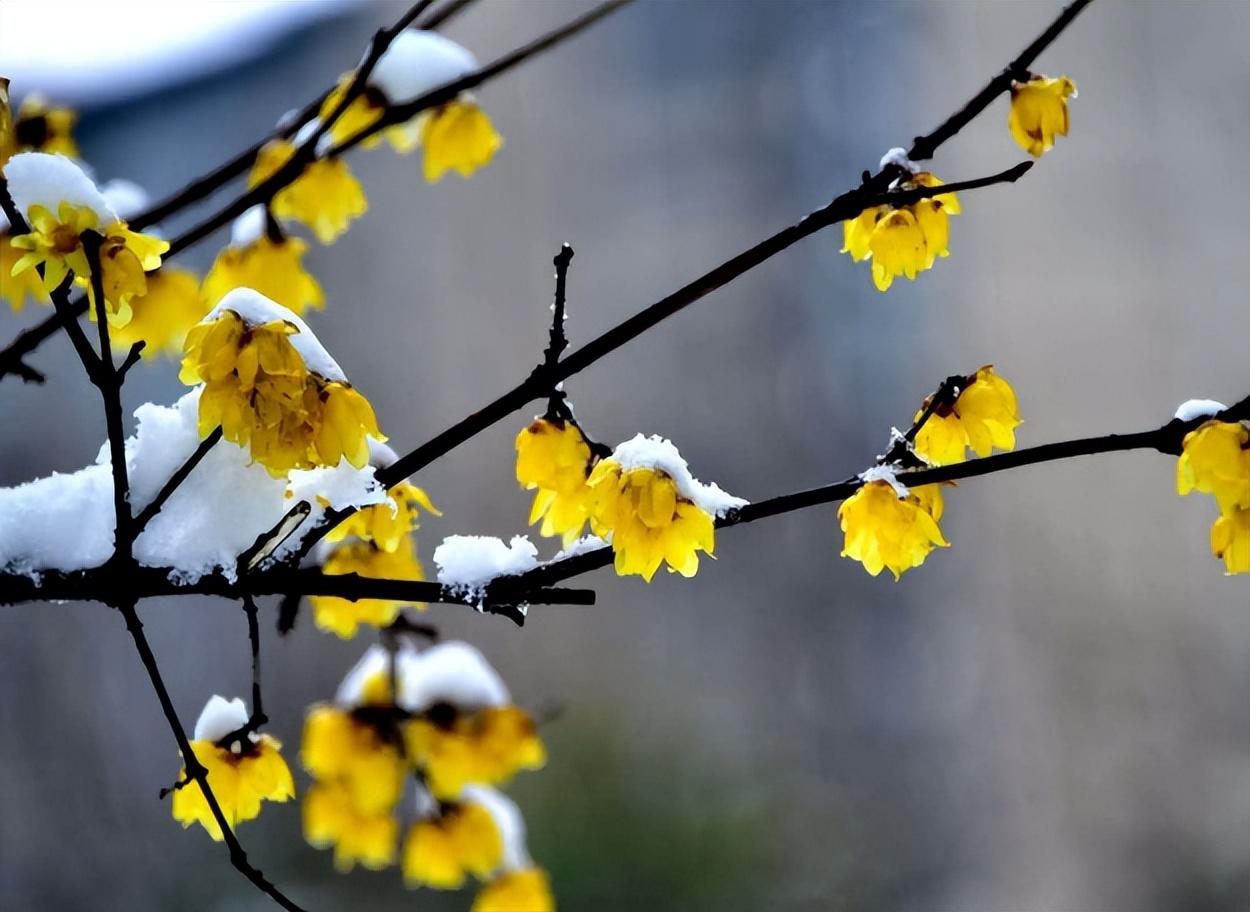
41 179
220 717
655 452
418 62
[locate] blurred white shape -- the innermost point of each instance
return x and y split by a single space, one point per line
87 51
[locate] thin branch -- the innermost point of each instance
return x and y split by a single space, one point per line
1166 439
557 340
149 512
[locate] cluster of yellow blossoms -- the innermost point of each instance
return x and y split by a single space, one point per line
647 506
377 542
258 387
902 240
888 526
1215 460
1039 112
453 735
243 770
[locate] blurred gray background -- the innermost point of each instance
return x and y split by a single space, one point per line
1051 715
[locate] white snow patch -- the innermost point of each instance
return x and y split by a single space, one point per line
65 521
418 62
220 717
466 563
37 178
1198 408
508 819
583 545
256 309
658 453
376 660
897 157
127 198
249 227
887 474
454 673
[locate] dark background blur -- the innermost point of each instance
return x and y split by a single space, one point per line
1051 715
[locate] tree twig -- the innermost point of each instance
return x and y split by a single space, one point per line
148 513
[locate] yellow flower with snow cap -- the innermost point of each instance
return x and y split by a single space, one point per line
554 460
261 258
888 529
242 774
1039 112
1215 460
326 196
984 415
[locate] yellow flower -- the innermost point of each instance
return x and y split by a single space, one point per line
884 530
240 780
440 852
262 395
162 316
648 519
326 196
274 268
983 416
456 136
1039 112
16 289
903 240
361 114
523 890
331 819
486 747
339 747
898 248
387 524
857 232
343 616
1215 459
41 128
55 241
1230 539
554 459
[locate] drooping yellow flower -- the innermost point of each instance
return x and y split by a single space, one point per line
55 241
240 781
554 459
523 890
857 232
648 519
898 247
363 111
343 617
902 240
258 389
274 268
884 530
1039 112
983 416
39 127
387 525
331 819
326 196
441 852
162 316
485 747
457 136
338 747
16 289
1230 540
1215 460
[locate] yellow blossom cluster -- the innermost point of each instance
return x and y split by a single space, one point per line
243 770
1215 460
377 542
554 459
258 389
1039 112
362 750
888 526
902 240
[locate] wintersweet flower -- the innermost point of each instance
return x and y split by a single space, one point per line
332 820
1215 460
27 284
889 528
441 851
272 267
326 196
243 772
522 890
361 113
458 136
984 415
487 746
39 127
1039 112
343 617
554 460
649 520
162 316
1230 540
344 747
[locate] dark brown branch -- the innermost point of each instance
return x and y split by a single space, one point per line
1166 439
557 341
149 512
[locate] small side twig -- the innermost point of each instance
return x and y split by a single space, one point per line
148 513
